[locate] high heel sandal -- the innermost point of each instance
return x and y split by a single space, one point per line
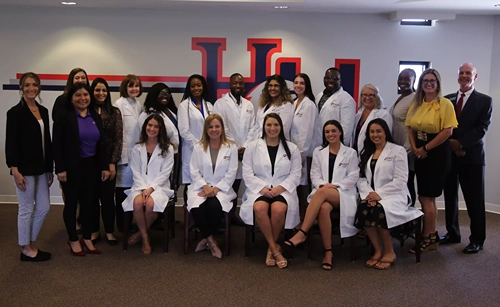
270 261
282 263
325 265
290 243
94 251
80 253
428 243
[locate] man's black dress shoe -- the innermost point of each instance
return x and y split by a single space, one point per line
40 256
448 240
473 248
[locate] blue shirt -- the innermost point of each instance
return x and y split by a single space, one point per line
89 134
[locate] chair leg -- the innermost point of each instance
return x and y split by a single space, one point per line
228 234
309 246
172 220
353 240
127 216
418 239
248 237
166 227
186 230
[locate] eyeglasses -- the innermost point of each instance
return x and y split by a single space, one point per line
164 94
368 95
332 77
429 81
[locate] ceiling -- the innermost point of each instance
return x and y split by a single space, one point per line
464 7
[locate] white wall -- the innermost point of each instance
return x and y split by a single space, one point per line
159 43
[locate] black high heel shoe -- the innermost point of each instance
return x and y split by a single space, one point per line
290 243
325 265
428 243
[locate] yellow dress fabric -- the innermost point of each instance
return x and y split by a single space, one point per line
432 117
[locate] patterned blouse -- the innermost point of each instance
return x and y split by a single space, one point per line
113 134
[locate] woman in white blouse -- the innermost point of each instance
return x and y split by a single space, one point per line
152 160
213 170
385 201
271 170
334 173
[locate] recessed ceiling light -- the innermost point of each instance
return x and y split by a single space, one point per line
68 3
281 7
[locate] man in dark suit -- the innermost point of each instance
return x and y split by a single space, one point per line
473 111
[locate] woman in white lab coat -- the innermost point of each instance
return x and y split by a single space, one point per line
385 200
334 173
271 170
159 100
213 169
371 107
193 111
130 108
275 98
151 161
302 131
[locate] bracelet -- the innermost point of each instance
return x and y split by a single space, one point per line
425 148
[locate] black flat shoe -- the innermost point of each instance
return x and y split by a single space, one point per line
112 242
96 240
40 256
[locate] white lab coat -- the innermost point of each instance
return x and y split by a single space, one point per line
237 121
191 123
130 108
341 107
155 174
375 113
302 132
285 111
345 176
257 175
223 176
172 133
391 175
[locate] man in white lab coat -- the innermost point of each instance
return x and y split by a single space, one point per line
238 115
335 103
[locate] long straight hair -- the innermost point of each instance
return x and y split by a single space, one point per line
71 77
282 132
369 146
107 106
205 138
23 79
187 91
163 139
308 92
420 94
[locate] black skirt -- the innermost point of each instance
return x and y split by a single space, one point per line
431 172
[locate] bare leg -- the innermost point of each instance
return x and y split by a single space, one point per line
278 216
377 246
149 217
329 195
262 219
389 256
139 218
430 215
325 227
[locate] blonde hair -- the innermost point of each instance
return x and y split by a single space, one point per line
379 103
284 96
205 138
420 94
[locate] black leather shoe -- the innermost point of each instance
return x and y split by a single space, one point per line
473 248
40 256
448 240
112 242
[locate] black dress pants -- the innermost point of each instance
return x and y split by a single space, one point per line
208 216
104 203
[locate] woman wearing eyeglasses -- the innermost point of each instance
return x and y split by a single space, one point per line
370 108
430 120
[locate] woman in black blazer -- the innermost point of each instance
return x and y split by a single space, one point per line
28 153
81 161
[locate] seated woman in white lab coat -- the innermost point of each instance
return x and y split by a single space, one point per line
275 98
371 107
152 159
334 173
271 170
213 170
385 200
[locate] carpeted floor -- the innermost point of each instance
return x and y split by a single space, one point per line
446 277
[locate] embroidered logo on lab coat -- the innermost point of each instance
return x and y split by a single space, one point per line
343 164
389 159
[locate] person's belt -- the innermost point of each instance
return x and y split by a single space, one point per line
421 136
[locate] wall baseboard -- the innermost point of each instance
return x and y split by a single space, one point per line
57 200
